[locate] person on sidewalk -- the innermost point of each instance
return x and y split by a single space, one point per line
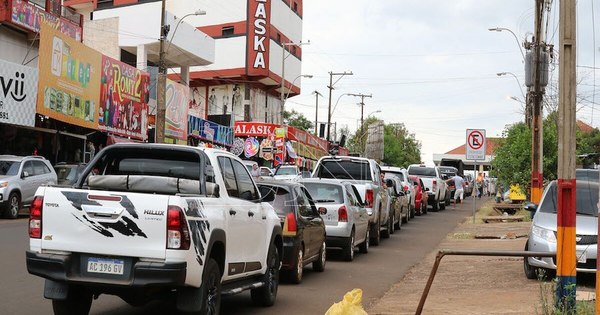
459 191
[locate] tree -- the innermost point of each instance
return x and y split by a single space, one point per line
296 119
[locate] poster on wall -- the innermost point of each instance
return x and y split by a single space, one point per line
176 116
197 104
219 100
32 17
69 79
123 97
17 93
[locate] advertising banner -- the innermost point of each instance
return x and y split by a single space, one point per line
210 131
197 105
18 88
176 116
259 20
254 129
123 98
69 79
31 17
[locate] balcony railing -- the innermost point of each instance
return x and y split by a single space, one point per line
29 15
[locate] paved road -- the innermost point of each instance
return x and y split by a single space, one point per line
374 273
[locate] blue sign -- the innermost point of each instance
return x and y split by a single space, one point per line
210 131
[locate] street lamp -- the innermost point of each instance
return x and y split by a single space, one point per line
282 85
336 102
308 76
330 87
500 29
516 78
375 112
198 12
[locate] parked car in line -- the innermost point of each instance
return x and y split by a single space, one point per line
543 232
420 194
287 172
447 173
365 175
346 219
400 212
68 173
303 228
438 195
406 185
468 185
20 177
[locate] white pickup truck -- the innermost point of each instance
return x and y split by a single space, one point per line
435 184
148 220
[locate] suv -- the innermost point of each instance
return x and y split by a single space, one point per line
20 177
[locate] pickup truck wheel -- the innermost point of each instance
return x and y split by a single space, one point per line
364 246
375 233
319 264
78 301
348 250
211 288
267 294
295 275
13 206
386 232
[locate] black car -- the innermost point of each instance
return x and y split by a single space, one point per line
68 173
303 227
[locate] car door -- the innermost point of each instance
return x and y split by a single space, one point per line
312 221
27 182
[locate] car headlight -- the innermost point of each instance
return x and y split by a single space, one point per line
543 233
3 184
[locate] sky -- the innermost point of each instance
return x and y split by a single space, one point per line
432 65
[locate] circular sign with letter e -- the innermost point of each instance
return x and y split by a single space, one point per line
475 146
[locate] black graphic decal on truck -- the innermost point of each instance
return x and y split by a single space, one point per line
199 228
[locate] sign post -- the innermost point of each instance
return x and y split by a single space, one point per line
475 150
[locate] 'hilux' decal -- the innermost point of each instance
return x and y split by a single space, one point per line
125 225
200 228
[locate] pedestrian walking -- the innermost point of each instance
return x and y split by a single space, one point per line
459 191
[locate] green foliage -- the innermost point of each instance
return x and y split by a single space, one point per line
296 119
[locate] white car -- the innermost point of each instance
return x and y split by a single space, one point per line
407 185
287 172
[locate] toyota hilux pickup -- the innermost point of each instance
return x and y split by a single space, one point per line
435 185
151 221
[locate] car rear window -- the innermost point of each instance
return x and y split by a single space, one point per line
422 171
397 174
586 198
66 172
283 202
345 169
286 170
325 193
9 168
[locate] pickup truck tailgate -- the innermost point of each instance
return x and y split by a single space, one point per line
103 222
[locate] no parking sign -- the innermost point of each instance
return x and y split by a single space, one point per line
475 144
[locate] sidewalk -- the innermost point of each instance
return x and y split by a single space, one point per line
469 284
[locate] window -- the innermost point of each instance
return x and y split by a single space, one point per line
346 169
39 168
350 196
228 176
9 168
305 205
282 202
325 193
227 30
245 185
28 167
422 171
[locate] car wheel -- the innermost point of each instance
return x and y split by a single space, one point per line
412 211
267 294
364 246
210 290
295 275
78 301
375 233
13 206
348 250
319 264
398 225
387 231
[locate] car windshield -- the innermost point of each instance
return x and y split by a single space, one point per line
286 170
9 168
586 198
325 193
345 169
422 171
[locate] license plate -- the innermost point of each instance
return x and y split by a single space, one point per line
581 257
105 266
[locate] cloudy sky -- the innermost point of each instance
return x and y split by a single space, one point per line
432 64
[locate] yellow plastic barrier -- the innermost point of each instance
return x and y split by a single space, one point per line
350 305
516 193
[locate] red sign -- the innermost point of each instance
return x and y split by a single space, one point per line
259 19
254 129
123 104
475 139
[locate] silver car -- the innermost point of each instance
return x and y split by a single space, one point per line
20 177
542 236
346 219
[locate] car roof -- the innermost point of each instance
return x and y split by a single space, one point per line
17 158
322 180
392 168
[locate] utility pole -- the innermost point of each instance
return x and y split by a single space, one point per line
567 91
362 108
317 94
330 86
159 136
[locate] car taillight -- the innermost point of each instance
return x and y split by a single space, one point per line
35 217
178 236
342 214
290 227
369 198
434 185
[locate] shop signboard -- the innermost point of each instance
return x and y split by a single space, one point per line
69 79
176 116
259 18
280 134
123 99
32 17
210 131
254 129
18 88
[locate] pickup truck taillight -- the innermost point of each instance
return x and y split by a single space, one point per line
35 217
342 214
178 236
434 185
369 198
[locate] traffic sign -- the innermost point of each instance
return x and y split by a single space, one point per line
475 144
